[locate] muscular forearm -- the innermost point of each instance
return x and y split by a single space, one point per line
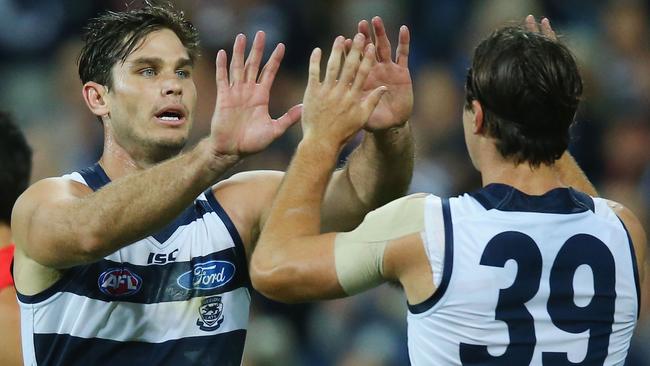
290 255
570 174
381 168
378 171
127 209
296 209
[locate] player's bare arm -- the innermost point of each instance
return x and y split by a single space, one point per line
60 223
637 234
380 169
332 114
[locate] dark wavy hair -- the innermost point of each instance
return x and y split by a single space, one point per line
15 165
113 36
529 88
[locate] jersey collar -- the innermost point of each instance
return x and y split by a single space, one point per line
503 197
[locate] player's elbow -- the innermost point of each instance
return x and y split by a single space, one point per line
90 246
65 252
274 280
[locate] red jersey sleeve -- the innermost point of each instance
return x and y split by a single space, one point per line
6 256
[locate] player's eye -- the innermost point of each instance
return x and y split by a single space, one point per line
183 74
148 72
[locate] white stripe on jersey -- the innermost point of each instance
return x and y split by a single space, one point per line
151 323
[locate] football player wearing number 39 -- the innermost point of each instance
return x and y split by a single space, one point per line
532 269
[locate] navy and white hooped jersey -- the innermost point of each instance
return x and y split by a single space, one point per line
527 280
178 297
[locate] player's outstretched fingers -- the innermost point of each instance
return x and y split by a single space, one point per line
352 61
314 67
531 24
347 46
402 53
334 62
272 65
222 74
547 30
364 28
237 62
252 66
369 59
381 40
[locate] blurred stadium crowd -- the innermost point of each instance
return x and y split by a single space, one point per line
39 44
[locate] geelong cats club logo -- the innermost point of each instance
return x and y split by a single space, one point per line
119 282
210 313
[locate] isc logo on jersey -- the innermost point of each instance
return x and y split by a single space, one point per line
119 282
207 275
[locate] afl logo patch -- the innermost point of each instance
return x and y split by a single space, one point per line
207 275
119 282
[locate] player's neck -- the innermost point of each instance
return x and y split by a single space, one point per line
532 181
118 161
5 235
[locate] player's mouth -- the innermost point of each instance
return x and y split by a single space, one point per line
171 115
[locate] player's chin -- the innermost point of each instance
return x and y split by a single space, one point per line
175 143
171 140
173 133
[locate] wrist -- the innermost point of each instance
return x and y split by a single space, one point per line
389 139
321 149
213 160
392 133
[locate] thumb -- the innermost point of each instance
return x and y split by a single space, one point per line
373 99
288 119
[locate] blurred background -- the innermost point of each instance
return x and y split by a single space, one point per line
40 42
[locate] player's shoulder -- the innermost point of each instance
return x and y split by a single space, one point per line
400 209
397 218
415 199
245 196
632 225
48 192
58 186
50 189
251 188
629 219
262 179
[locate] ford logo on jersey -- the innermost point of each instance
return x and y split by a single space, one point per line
207 275
119 282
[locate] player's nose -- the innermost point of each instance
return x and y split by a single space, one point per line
171 86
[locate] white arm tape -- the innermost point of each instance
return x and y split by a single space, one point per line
359 254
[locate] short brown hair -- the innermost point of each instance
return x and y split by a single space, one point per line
529 88
113 36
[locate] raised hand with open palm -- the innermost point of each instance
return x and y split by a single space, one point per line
241 124
395 107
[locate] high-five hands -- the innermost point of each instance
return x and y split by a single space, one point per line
334 110
241 123
395 107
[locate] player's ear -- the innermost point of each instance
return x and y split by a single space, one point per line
94 95
478 117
